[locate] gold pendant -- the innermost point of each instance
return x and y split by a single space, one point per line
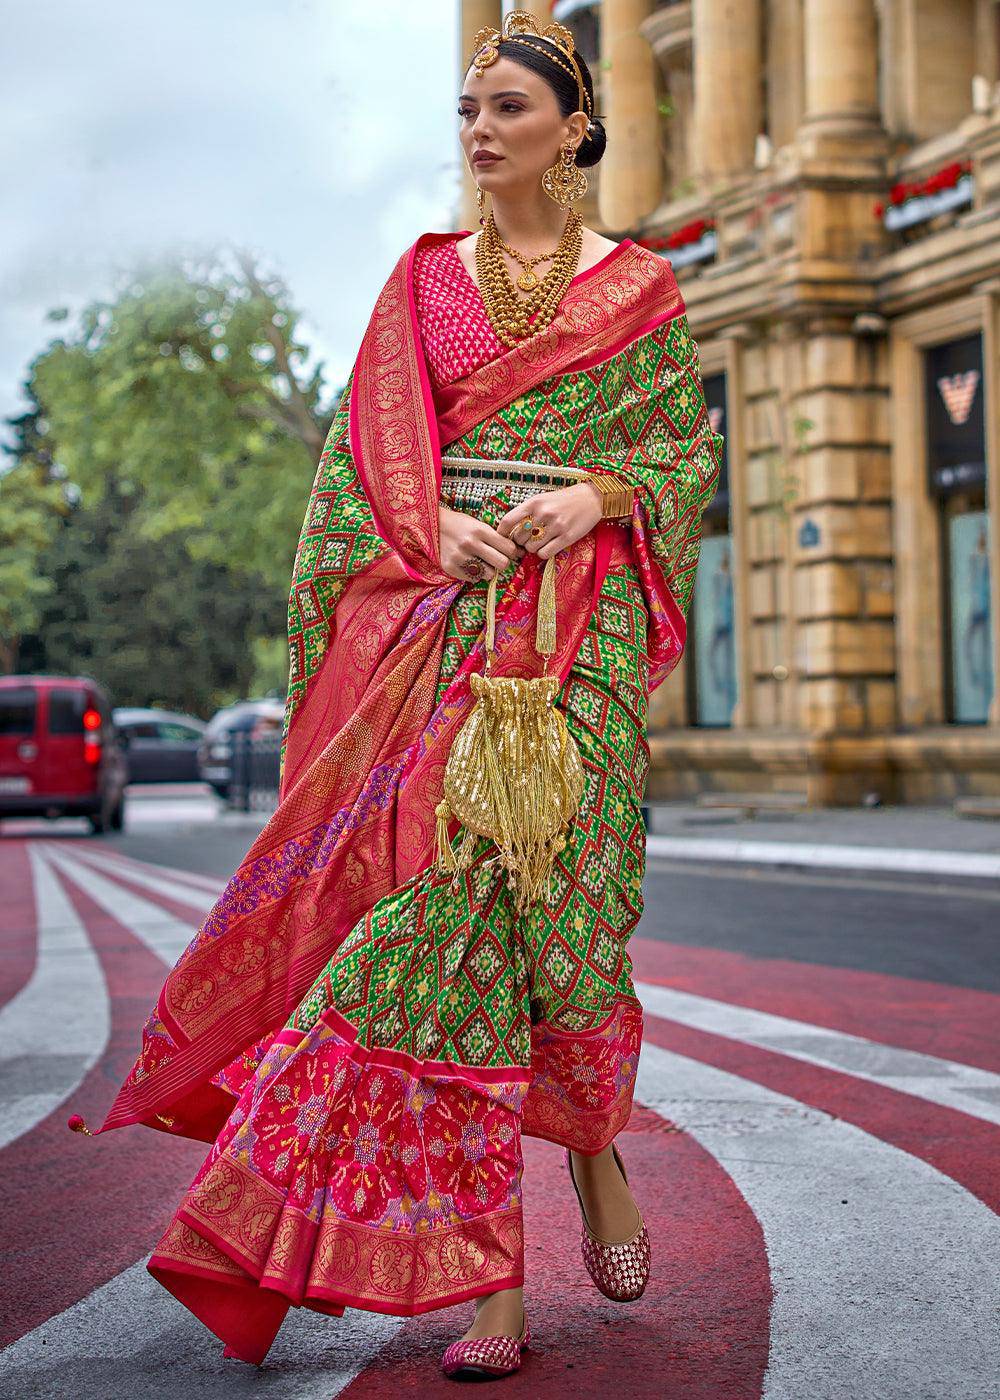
527 281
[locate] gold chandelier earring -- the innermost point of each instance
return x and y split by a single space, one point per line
481 201
565 181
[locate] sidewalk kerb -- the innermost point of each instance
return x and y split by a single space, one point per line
974 864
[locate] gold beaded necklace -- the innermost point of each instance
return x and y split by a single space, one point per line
528 279
513 317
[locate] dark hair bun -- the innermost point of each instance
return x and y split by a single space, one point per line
593 145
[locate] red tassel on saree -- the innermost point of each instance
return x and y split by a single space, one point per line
362 1041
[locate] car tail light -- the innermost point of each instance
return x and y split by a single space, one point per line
91 735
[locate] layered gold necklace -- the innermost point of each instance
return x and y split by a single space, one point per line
514 317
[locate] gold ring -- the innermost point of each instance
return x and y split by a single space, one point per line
538 532
474 567
527 524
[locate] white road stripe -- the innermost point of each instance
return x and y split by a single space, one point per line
157 879
131 1337
891 1295
945 1082
59 1021
980 864
90 1351
160 931
103 855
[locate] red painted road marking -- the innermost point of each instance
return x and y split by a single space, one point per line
19 943
106 858
954 1023
78 1211
127 878
964 1148
699 1332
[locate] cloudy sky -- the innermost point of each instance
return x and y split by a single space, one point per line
321 134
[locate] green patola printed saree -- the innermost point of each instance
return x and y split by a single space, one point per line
362 1037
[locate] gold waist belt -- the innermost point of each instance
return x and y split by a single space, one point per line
466 482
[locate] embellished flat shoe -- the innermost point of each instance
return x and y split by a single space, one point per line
620 1269
483 1357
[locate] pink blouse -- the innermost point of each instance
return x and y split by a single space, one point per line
454 327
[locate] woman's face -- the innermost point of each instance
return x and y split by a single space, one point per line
512 113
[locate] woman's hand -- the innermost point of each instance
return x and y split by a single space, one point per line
564 516
463 537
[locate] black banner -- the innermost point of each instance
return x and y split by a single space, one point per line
954 394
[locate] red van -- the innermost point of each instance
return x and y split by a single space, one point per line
59 751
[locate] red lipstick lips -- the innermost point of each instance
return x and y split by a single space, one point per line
485 158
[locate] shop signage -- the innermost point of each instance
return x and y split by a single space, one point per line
954 392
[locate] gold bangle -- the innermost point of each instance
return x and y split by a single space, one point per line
617 496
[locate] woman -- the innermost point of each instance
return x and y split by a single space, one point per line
373 1013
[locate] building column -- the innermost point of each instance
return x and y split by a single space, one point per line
474 15
936 49
630 184
783 64
841 66
728 110
668 30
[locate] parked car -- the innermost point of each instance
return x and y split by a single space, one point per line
160 746
215 755
60 754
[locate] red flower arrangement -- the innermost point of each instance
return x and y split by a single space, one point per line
690 233
944 179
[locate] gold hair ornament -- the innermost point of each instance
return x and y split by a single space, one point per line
514 772
520 27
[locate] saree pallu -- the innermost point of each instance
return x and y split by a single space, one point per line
362 1039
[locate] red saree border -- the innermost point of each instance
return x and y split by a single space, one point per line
656 582
613 347
261 1237
586 1133
394 443
562 1107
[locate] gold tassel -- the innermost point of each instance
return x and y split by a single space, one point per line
491 616
445 850
545 623
514 772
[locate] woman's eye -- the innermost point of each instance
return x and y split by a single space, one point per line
504 107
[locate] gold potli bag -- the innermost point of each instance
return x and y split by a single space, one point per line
514 771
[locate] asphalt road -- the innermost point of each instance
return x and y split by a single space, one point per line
814 1144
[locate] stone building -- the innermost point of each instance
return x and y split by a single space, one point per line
824 176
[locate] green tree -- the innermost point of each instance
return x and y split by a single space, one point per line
153 625
32 503
186 429
186 390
